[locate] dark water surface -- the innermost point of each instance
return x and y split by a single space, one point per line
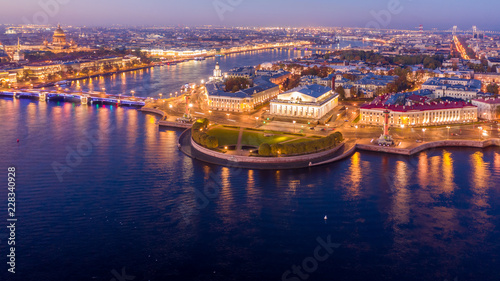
127 200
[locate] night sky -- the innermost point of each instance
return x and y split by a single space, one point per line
408 14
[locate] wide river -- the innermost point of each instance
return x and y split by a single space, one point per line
169 79
103 194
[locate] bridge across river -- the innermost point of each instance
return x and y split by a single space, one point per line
84 98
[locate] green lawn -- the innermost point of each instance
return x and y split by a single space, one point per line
300 140
225 136
229 136
256 138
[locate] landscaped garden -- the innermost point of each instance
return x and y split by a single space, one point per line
228 135
269 143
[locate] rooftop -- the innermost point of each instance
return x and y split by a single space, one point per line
467 83
413 101
313 90
488 100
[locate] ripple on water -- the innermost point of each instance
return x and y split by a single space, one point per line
136 201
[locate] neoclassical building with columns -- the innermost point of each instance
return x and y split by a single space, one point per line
410 109
308 101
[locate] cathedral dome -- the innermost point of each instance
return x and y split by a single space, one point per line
59 31
59 38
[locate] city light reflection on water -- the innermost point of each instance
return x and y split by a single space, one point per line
432 216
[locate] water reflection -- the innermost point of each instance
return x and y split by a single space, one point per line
423 170
448 184
407 218
354 177
496 160
401 196
480 184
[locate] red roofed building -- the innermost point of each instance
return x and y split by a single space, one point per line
415 110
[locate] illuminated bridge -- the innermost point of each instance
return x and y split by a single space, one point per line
84 98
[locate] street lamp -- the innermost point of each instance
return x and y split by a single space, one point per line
480 131
227 114
448 127
133 92
256 121
423 138
294 126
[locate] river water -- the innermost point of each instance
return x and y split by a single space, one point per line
170 78
102 192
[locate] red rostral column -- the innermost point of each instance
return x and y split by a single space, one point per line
386 123
333 83
187 105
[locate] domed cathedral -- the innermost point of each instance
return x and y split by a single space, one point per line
59 37
59 44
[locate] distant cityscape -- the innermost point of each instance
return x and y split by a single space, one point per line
232 101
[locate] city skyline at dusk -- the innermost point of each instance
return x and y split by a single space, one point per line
249 140
393 14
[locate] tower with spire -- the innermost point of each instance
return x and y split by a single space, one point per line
19 54
217 73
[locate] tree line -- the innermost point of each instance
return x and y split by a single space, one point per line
200 137
431 62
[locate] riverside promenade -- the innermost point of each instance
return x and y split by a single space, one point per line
341 152
346 149
409 149
163 122
195 151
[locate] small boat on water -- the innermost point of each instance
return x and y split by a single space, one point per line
199 58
